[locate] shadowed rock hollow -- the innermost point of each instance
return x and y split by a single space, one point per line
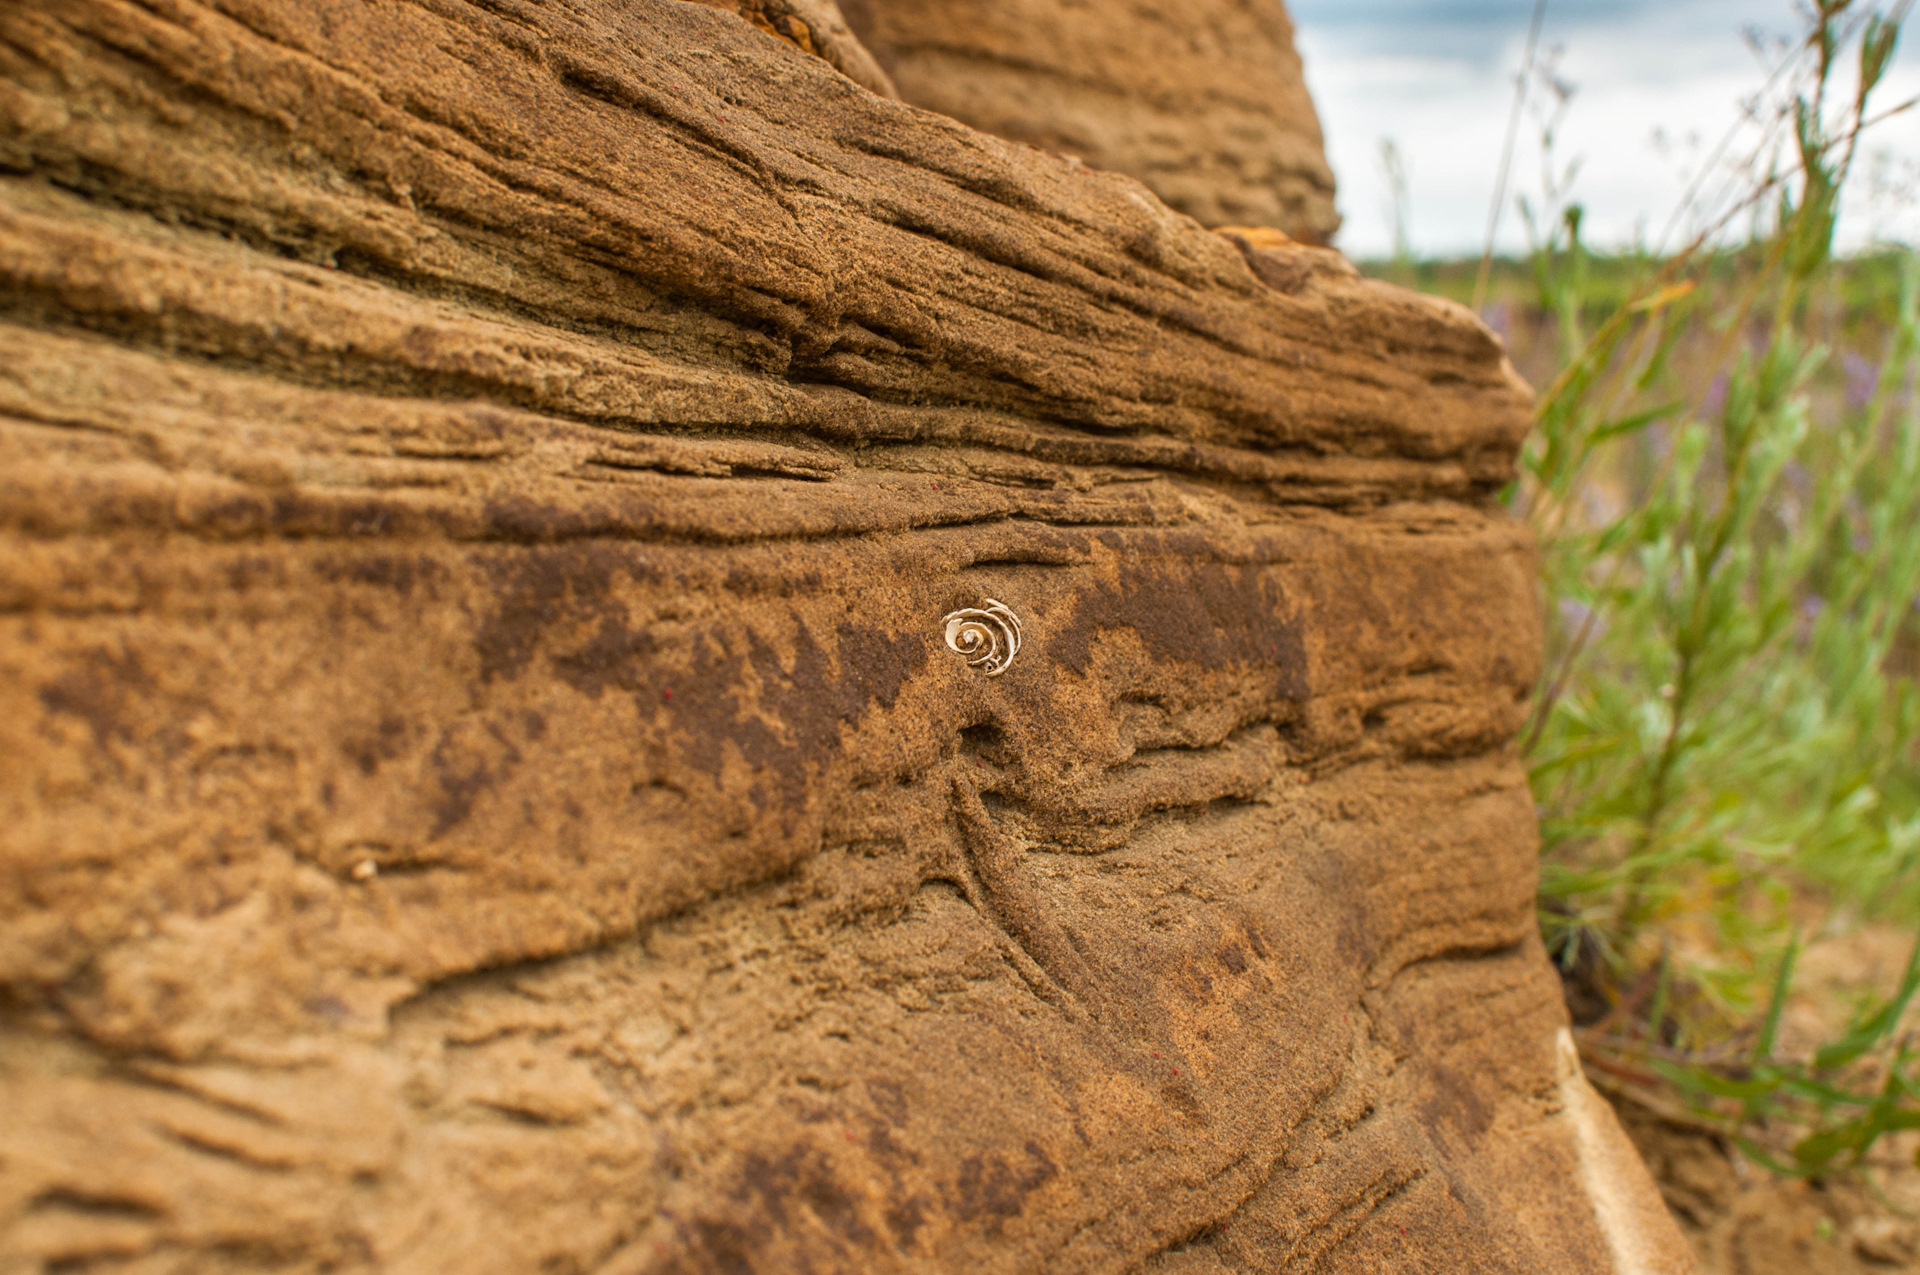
487 791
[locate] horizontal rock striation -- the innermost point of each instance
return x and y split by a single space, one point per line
1204 101
480 488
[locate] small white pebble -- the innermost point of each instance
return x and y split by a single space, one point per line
365 870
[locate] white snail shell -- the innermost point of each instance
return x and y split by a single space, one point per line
988 635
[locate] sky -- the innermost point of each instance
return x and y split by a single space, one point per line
1656 85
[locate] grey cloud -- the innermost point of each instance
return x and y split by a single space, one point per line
1478 32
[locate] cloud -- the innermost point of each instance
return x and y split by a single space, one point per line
1436 77
1473 33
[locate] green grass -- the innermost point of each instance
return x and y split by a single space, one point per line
1863 289
1725 747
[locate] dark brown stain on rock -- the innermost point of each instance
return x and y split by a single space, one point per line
1207 616
994 1187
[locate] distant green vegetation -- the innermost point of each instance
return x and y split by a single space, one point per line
1861 291
1725 747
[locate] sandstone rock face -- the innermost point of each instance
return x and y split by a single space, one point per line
814 26
486 786
1202 100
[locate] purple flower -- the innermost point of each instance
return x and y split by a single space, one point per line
1810 608
1716 396
1575 614
1862 378
1499 316
1659 439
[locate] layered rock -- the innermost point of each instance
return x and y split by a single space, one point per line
1204 100
481 488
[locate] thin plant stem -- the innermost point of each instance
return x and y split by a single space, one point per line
1506 154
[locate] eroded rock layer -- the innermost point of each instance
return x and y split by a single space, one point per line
1203 100
487 790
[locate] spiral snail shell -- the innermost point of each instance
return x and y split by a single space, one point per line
988 635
